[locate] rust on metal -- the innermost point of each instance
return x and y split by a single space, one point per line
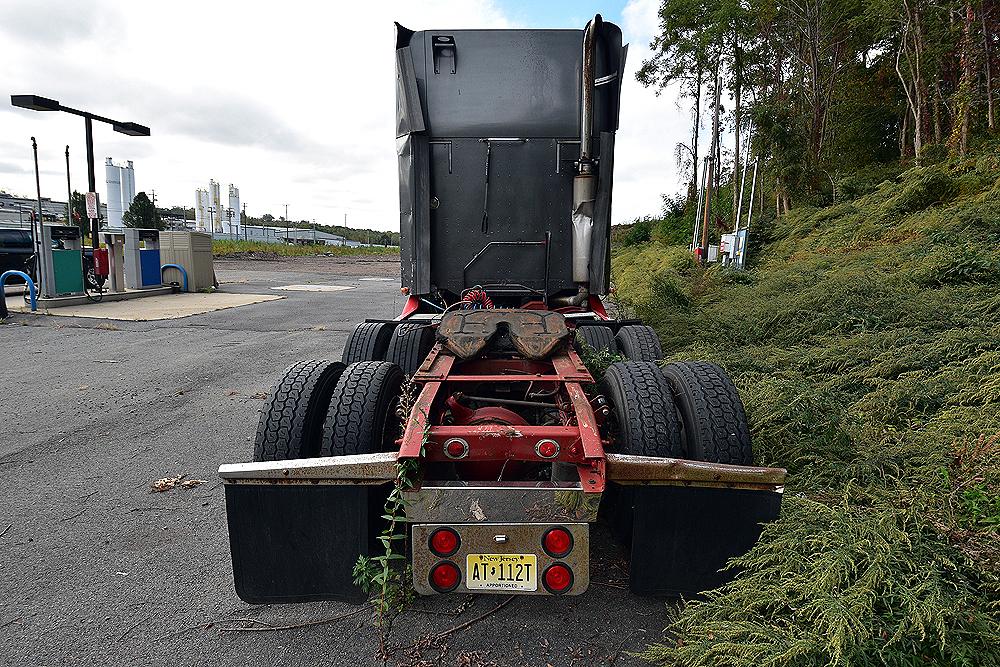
436 366
511 502
628 469
417 421
354 469
535 334
590 434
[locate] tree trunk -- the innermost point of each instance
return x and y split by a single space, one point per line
988 66
959 140
937 112
737 120
694 139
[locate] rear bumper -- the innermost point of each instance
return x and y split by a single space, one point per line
297 527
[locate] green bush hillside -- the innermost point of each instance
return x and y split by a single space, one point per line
865 340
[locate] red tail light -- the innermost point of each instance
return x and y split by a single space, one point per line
444 542
547 449
456 448
557 578
557 542
445 577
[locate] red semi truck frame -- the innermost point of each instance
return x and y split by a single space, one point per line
501 504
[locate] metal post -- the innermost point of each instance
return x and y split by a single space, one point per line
286 223
753 187
697 213
95 223
69 192
743 182
38 230
708 212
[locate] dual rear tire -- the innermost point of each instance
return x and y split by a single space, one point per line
686 409
633 342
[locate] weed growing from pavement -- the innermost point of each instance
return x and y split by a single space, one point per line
388 575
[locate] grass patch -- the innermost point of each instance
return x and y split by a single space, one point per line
865 341
231 248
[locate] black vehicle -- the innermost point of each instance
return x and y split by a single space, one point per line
15 249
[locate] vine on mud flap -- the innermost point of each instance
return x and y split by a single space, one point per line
377 574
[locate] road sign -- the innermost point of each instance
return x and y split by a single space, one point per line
93 208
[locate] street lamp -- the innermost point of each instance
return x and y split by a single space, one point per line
39 103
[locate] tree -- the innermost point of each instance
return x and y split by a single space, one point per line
142 214
267 217
79 212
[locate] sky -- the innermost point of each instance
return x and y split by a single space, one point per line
293 102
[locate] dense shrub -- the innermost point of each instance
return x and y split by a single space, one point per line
865 341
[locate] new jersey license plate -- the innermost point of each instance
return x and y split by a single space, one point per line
501 572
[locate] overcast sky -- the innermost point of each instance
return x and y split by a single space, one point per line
291 101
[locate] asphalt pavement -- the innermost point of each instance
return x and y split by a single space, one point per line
95 569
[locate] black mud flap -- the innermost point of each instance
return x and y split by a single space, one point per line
683 536
300 543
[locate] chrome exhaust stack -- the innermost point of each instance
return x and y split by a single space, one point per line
585 181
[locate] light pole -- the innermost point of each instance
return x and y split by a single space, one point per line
38 231
38 103
286 224
69 192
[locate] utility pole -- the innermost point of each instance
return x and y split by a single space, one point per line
286 223
245 236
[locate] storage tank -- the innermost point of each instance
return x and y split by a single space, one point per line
128 185
201 209
234 205
114 190
121 190
215 214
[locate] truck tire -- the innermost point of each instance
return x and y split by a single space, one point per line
362 415
645 421
597 338
638 342
409 345
368 342
291 421
714 420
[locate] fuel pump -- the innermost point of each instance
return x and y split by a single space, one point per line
142 258
62 270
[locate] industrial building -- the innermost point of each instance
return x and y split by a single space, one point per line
121 191
17 211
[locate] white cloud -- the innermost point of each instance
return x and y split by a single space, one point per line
291 101
651 125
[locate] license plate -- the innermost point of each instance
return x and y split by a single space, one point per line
501 572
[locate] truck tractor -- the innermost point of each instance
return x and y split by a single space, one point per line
514 447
